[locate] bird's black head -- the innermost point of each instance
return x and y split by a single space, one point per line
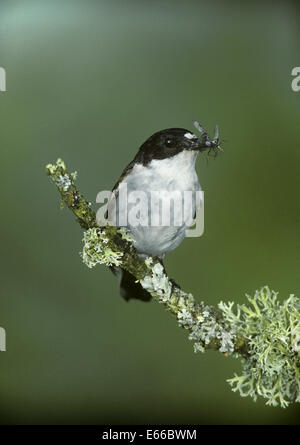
167 143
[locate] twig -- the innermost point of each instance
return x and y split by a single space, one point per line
209 327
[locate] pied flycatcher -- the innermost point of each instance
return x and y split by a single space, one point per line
165 163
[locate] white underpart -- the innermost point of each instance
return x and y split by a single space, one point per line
190 136
172 174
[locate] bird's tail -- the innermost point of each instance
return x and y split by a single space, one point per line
129 289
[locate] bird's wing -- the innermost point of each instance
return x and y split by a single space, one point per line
125 172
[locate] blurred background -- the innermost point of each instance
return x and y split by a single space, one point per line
89 81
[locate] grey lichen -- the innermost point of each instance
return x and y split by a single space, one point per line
157 283
64 182
196 317
125 234
97 251
74 175
272 369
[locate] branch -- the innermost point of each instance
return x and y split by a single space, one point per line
265 335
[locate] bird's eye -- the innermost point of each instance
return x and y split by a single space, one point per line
170 142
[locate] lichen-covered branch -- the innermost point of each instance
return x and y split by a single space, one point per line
265 334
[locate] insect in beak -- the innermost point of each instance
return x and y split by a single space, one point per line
209 144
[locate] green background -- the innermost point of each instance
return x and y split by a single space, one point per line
89 81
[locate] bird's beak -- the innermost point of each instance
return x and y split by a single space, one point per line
198 145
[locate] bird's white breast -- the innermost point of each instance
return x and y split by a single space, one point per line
175 173
169 175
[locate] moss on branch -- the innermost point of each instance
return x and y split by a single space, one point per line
265 334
